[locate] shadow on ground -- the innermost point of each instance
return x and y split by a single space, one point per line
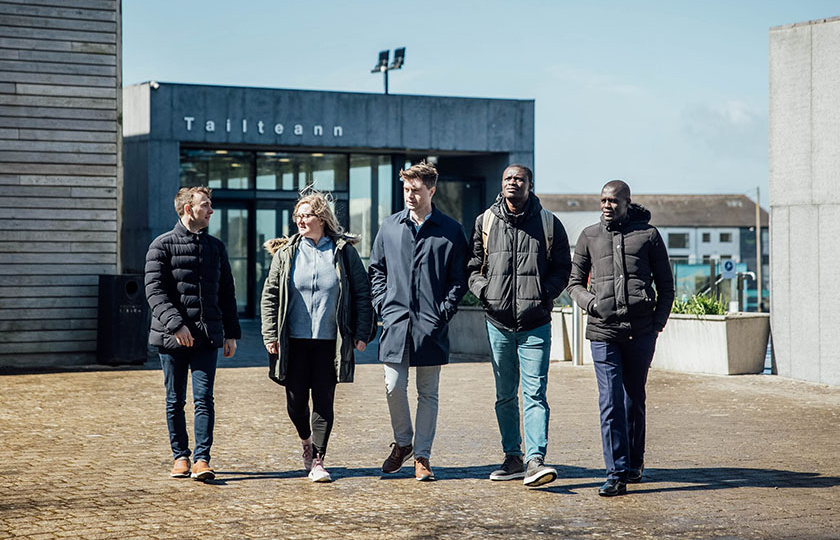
690 479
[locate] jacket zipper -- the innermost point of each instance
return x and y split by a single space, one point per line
513 275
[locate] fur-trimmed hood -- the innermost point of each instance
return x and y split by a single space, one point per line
276 244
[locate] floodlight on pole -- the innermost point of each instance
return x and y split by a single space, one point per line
383 67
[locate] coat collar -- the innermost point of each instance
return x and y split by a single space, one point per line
434 217
180 230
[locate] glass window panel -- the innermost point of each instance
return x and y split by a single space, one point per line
678 240
449 198
386 188
361 177
295 171
218 169
230 225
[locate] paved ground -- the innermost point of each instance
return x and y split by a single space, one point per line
85 455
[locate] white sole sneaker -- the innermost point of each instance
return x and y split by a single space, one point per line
503 476
320 476
541 477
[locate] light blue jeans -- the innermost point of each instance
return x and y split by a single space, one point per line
396 390
521 355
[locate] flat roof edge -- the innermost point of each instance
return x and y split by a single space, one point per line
805 23
241 87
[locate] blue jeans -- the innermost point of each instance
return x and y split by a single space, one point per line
621 370
176 365
515 356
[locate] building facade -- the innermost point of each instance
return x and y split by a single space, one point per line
804 172
60 69
258 147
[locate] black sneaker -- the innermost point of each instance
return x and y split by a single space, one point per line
538 473
399 455
511 469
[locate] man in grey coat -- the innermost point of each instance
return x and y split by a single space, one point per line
418 275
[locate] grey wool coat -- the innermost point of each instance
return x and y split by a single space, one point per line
354 312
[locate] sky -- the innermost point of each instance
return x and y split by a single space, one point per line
668 95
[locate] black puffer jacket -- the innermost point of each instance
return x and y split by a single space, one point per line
625 260
189 282
519 283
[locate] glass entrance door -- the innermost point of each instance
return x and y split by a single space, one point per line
244 226
460 198
230 224
274 219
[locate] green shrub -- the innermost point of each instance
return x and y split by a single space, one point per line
470 299
700 304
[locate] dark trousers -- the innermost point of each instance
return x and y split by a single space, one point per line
176 367
621 370
311 371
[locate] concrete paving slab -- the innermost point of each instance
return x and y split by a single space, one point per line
85 455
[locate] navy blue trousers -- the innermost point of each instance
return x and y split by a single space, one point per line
621 370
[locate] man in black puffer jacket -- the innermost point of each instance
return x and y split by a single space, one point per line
189 287
517 277
621 259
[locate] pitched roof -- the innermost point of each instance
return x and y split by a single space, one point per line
719 210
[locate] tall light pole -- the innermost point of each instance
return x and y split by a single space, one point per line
383 67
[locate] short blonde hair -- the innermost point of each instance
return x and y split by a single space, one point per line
320 204
185 197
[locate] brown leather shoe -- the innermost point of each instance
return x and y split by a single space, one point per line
422 470
399 455
202 471
181 468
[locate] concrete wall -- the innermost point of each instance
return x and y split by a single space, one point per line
60 69
804 210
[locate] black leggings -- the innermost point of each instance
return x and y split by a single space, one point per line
311 369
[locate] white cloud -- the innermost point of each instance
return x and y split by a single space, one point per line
732 130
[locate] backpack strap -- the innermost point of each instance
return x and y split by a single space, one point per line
548 230
487 222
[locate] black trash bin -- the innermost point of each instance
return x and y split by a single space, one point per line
123 330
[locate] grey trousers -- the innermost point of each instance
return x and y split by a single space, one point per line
396 389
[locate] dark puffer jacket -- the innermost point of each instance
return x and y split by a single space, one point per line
625 261
189 282
519 282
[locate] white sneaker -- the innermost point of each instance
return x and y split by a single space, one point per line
308 451
318 472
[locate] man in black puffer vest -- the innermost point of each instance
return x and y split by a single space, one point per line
621 259
189 287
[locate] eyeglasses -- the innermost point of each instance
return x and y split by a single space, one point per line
298 217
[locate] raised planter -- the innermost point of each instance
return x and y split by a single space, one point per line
468 334
731 344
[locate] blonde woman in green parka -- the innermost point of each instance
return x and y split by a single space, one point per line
316 312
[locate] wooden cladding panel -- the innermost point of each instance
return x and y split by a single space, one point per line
59 189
